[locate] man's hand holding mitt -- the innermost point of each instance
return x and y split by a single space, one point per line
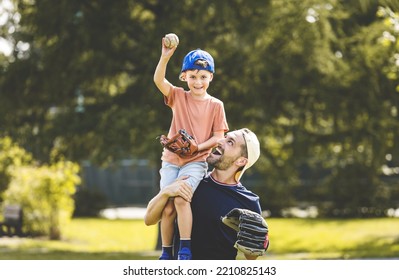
182 144
252 231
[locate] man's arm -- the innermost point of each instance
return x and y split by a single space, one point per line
157 204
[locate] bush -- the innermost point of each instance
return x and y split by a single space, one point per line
46 195
11 155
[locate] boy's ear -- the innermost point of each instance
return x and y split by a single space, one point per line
182 76
211 78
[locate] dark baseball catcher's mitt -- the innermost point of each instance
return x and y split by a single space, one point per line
182 144
252 231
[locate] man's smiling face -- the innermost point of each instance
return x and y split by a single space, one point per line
227 151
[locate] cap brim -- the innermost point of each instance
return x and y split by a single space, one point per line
240 173
253 151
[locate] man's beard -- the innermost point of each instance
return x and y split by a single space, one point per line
220 163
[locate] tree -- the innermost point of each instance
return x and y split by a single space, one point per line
309 77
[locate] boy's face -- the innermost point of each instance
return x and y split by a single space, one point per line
198 81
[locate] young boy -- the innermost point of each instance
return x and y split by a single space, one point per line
203 117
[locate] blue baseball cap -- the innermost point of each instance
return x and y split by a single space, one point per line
189 61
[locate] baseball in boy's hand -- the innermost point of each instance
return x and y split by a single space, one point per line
171 40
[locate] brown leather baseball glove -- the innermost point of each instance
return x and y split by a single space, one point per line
182 144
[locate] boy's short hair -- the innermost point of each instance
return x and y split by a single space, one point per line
198 60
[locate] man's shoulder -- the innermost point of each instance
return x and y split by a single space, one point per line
243 188
248 194
239 188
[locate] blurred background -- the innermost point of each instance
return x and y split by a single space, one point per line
317 80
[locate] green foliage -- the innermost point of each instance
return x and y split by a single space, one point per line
11 155
45 194
359 198
389 39
315 80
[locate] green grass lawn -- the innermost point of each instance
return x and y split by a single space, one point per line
94 239
333 239
101 239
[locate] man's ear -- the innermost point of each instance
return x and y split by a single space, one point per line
241 161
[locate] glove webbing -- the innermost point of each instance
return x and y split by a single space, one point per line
254 229
245 236
252 219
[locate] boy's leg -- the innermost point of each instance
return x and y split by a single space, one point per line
167 230
196 171
184 217
169 173
185 222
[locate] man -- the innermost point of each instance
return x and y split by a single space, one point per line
217 194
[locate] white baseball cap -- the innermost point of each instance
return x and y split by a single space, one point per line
253 150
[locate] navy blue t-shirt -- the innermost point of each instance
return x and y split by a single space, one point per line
210 238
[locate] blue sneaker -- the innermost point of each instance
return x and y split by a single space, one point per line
165 256
184 254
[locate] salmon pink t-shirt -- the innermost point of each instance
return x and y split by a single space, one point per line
200 118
